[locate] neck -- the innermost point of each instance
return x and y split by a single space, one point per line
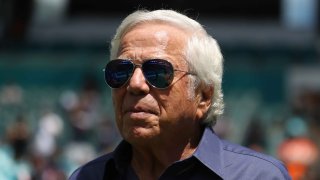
150 161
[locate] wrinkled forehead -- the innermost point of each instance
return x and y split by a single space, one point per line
151 38
162 34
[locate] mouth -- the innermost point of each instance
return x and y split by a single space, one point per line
140 111
140 107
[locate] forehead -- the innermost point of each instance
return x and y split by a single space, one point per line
153 39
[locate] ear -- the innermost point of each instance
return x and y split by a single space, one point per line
205 98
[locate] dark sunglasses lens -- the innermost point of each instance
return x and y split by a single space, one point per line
158 72
117 72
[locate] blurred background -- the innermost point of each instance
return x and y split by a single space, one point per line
56 112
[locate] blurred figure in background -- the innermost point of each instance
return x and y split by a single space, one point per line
300 150
14 153
50 128
18 136
255 136
46 148
83 114
299 154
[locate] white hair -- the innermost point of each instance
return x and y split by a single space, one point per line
202 52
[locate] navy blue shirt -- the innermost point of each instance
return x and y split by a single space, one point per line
213 159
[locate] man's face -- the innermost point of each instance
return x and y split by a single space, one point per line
144 113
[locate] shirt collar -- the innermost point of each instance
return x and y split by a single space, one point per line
209 151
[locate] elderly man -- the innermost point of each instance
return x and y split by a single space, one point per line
165 73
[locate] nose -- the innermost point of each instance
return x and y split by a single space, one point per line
137 83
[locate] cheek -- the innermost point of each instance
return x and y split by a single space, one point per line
180 103
171 104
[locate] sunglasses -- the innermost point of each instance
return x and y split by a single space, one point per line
159 73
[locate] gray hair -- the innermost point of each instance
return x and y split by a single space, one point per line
202 52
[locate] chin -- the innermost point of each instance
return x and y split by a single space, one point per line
140 135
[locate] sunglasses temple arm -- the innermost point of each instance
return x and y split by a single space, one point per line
192 73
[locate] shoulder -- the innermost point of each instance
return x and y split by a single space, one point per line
93 169
250 163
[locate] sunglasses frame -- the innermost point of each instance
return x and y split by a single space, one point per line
141 66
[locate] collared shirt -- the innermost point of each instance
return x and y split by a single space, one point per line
213 159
